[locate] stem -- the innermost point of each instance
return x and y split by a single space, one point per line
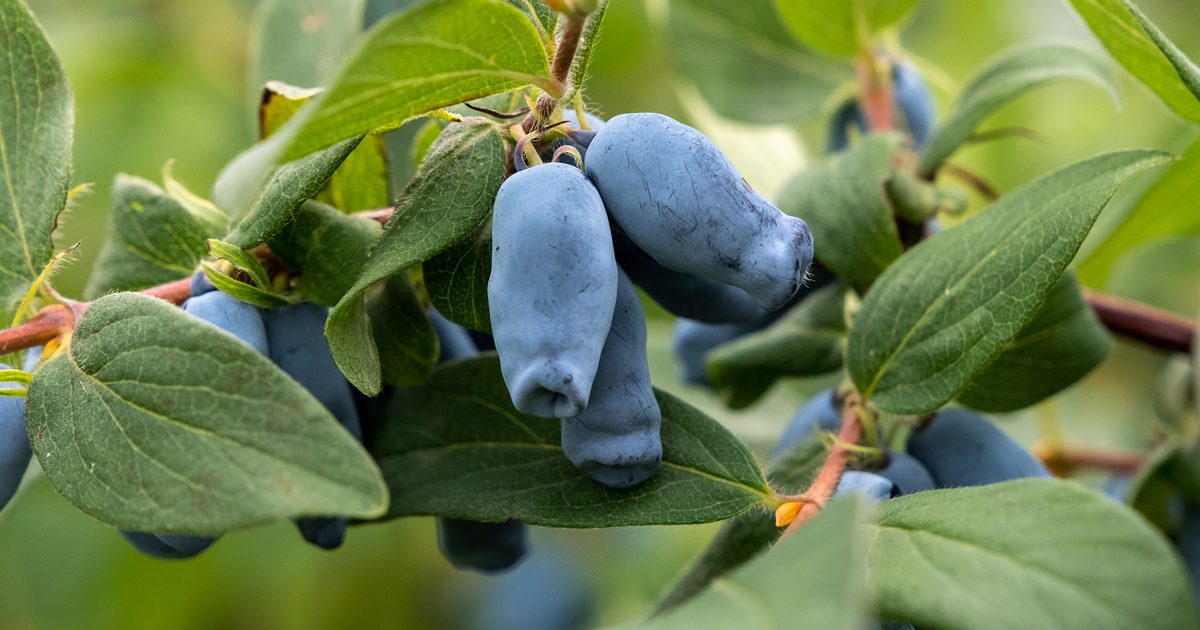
821 491
971 179
560 69
1142 322
876 97
57 319
1061 460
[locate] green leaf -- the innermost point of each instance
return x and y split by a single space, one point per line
1157 215
327 248
455 447
833 26
1034 553
361 182
746 64
844 203
156 421
806 341
37 119
433 55
456 280
407 343
152 239
944 311
745 536
539 12
439 207
1005 77
300 42
1062 343
1145 52
288 187
784 589
244 291
241 260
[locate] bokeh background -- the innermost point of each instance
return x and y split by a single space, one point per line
167 79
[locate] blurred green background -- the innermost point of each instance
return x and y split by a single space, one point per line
162 79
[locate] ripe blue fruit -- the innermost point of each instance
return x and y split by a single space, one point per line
168 546
906 474
821 411
680 200
914 109
692 297
454 342
870 485
914 102
552 289
15 452
201 284
231 315
616 439
484 547
546 592
296 343
962 448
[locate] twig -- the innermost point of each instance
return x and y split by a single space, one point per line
821 490
878 101
1142 322
1061 460
971 179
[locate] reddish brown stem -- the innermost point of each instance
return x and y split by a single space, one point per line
57 319
381 215
821 490
1142 322
876 96
1064 459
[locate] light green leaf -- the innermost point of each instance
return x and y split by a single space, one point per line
432 55
288 187
944 311
361 182
746 535
1034 553
539 12
844 203
456 280
300 42
327 248
37 119
834 26
784 588
1145 52
1157 215
1005 77
152 239
244 291
439 207
156 421
746 64
1062 343
806 341
241 260
455 447
407 343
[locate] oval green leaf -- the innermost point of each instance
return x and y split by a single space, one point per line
1145 52
834 26
1005 77
945 310
37 119
455 447
1034 553
156 421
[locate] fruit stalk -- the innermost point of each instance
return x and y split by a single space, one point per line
560 69
876 97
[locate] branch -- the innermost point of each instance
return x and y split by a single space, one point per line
813 500
1062 459
1142 322
58 319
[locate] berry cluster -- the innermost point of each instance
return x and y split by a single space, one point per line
657 205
